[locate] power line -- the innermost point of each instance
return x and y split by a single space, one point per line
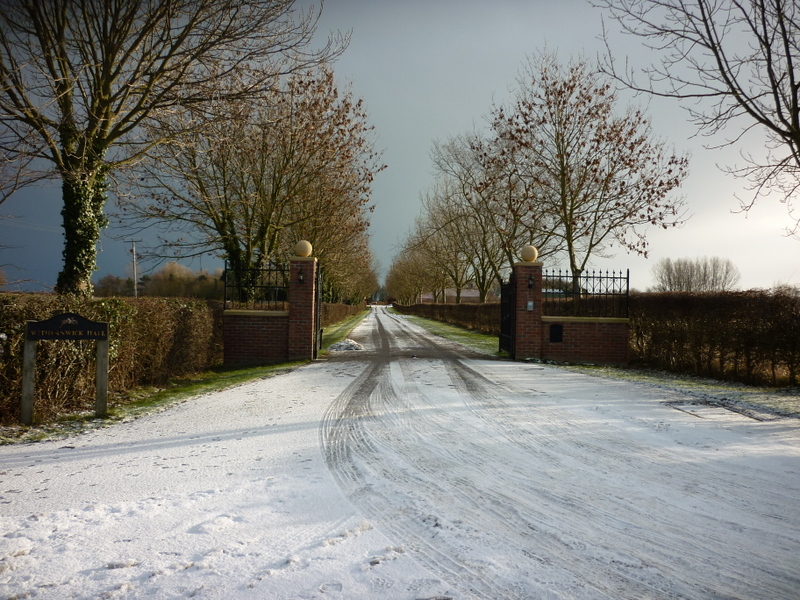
20 224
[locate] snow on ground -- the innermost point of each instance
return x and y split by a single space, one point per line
410 470
346 345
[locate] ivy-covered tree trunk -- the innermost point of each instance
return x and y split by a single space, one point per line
84 197
83 82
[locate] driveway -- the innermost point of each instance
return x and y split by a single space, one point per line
411 469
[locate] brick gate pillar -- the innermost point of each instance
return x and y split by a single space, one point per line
528 305
302 335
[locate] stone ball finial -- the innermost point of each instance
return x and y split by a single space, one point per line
303 248
529 253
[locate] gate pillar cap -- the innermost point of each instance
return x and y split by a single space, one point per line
529 254
303 249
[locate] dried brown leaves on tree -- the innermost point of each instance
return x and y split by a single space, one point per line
257 176
593 175
561 168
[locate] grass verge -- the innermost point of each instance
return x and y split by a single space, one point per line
339 331
149 400
474 340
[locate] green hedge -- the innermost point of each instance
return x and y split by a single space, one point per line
333 313
752 337
478 317
151 340
749 336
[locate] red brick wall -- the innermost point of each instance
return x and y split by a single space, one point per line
601 341
301 336
253 337
588 340
528 343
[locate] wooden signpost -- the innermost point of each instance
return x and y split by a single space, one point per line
66 326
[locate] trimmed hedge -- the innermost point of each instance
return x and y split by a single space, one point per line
752 337
333 313
478 317
151 340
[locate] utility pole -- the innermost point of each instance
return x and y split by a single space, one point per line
135 274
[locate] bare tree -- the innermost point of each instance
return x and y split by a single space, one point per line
350 271
498 219
469 236
111 285
413 272
351 277
261 175
695 275
79 78
735 61
177 280
594 176
437 237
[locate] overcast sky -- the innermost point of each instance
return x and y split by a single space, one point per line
431 69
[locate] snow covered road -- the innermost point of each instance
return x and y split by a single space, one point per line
409 470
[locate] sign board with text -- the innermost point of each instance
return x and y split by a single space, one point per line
66 326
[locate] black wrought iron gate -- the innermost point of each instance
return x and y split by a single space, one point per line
508 294
318 314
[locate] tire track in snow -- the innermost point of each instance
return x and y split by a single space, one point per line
659 534
357 406
441 457
350 449
520 512
654 516
520 518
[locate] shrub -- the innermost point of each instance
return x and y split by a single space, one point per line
752 336
150 341
333 313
